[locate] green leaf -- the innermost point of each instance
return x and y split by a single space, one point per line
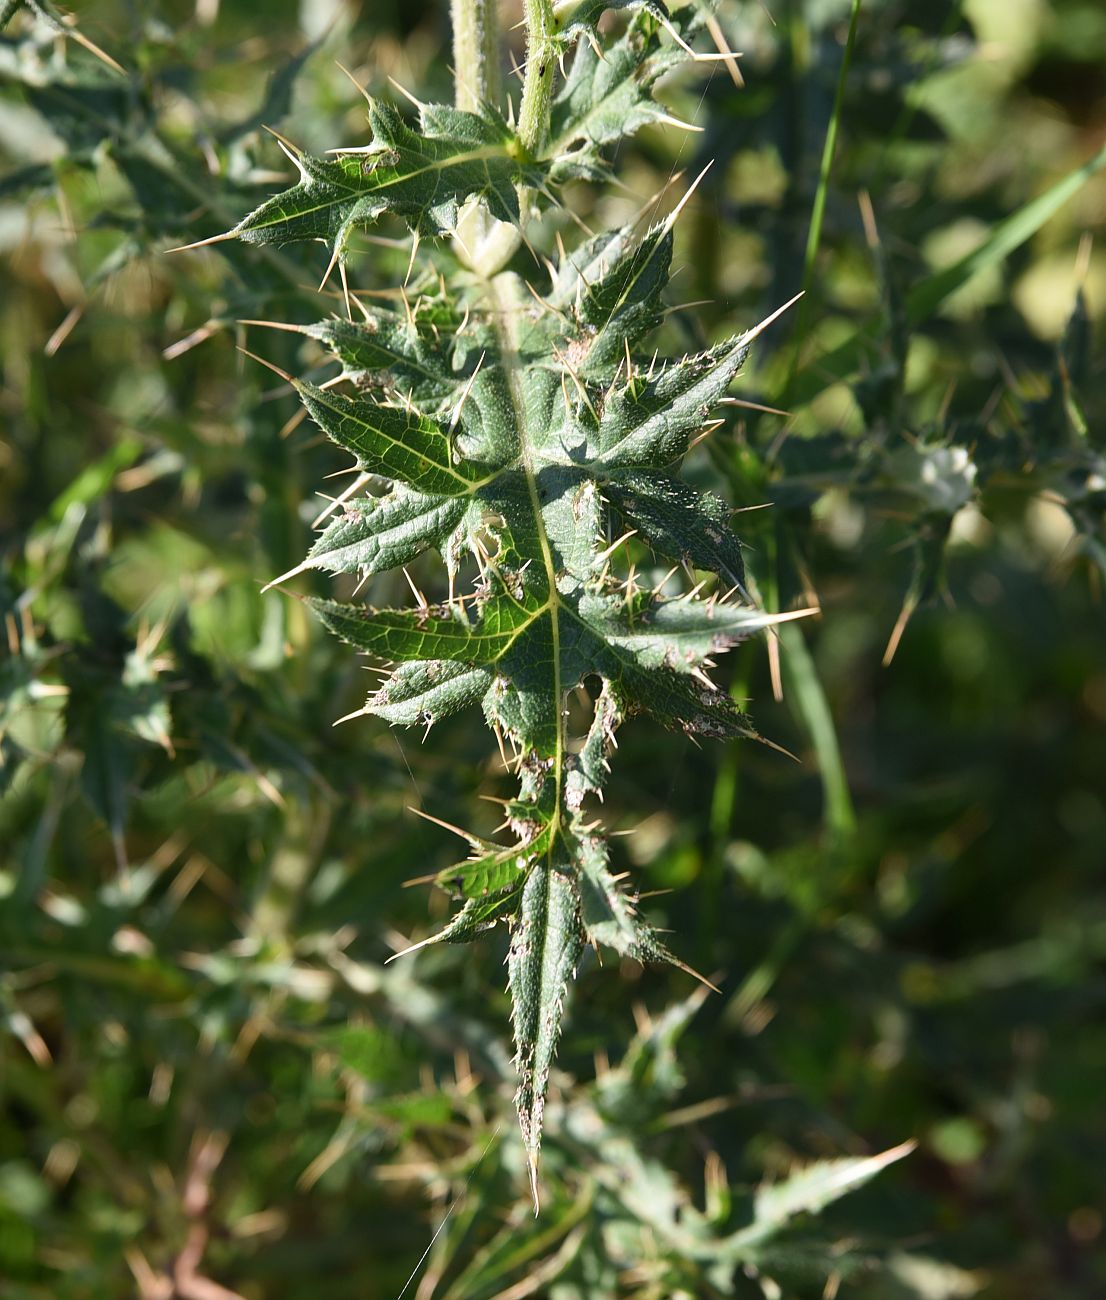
502 426
477 916
1005 237
406 351
587 770
398 443
84 111
607 914
610 918
95 479
375 534
608 96
647 423
276 102
424 691
34 178
93 726
809 1190
494 869
682 631
610 289
681 703
581 17
396 635
142 705
422 176
545 947
12 757
926 296
679 523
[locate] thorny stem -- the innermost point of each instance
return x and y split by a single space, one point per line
541 62
486 244
475 53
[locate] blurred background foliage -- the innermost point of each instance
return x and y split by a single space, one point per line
210 1080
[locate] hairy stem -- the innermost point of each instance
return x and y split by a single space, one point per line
486 244
541 62
475 53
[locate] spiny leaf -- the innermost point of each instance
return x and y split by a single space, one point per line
477 915
682 703
587 770
423 176
375 534
545 947
678 522
421 692
432 360
580 17
806 1191
684 630
612 287
404 634
608 95
406 353
504 427
494 869
609 916
399 443
647 423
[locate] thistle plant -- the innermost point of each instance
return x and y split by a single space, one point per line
511 414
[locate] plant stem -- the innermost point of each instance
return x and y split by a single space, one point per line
813 708
720 824
487 244
814 236
818 211
541 60
475 53
807 700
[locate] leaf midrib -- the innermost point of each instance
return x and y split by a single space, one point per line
351 192
470 485
506 305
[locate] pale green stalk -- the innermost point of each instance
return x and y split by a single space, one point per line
807 697
541 63
487 244
475 53
805 686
